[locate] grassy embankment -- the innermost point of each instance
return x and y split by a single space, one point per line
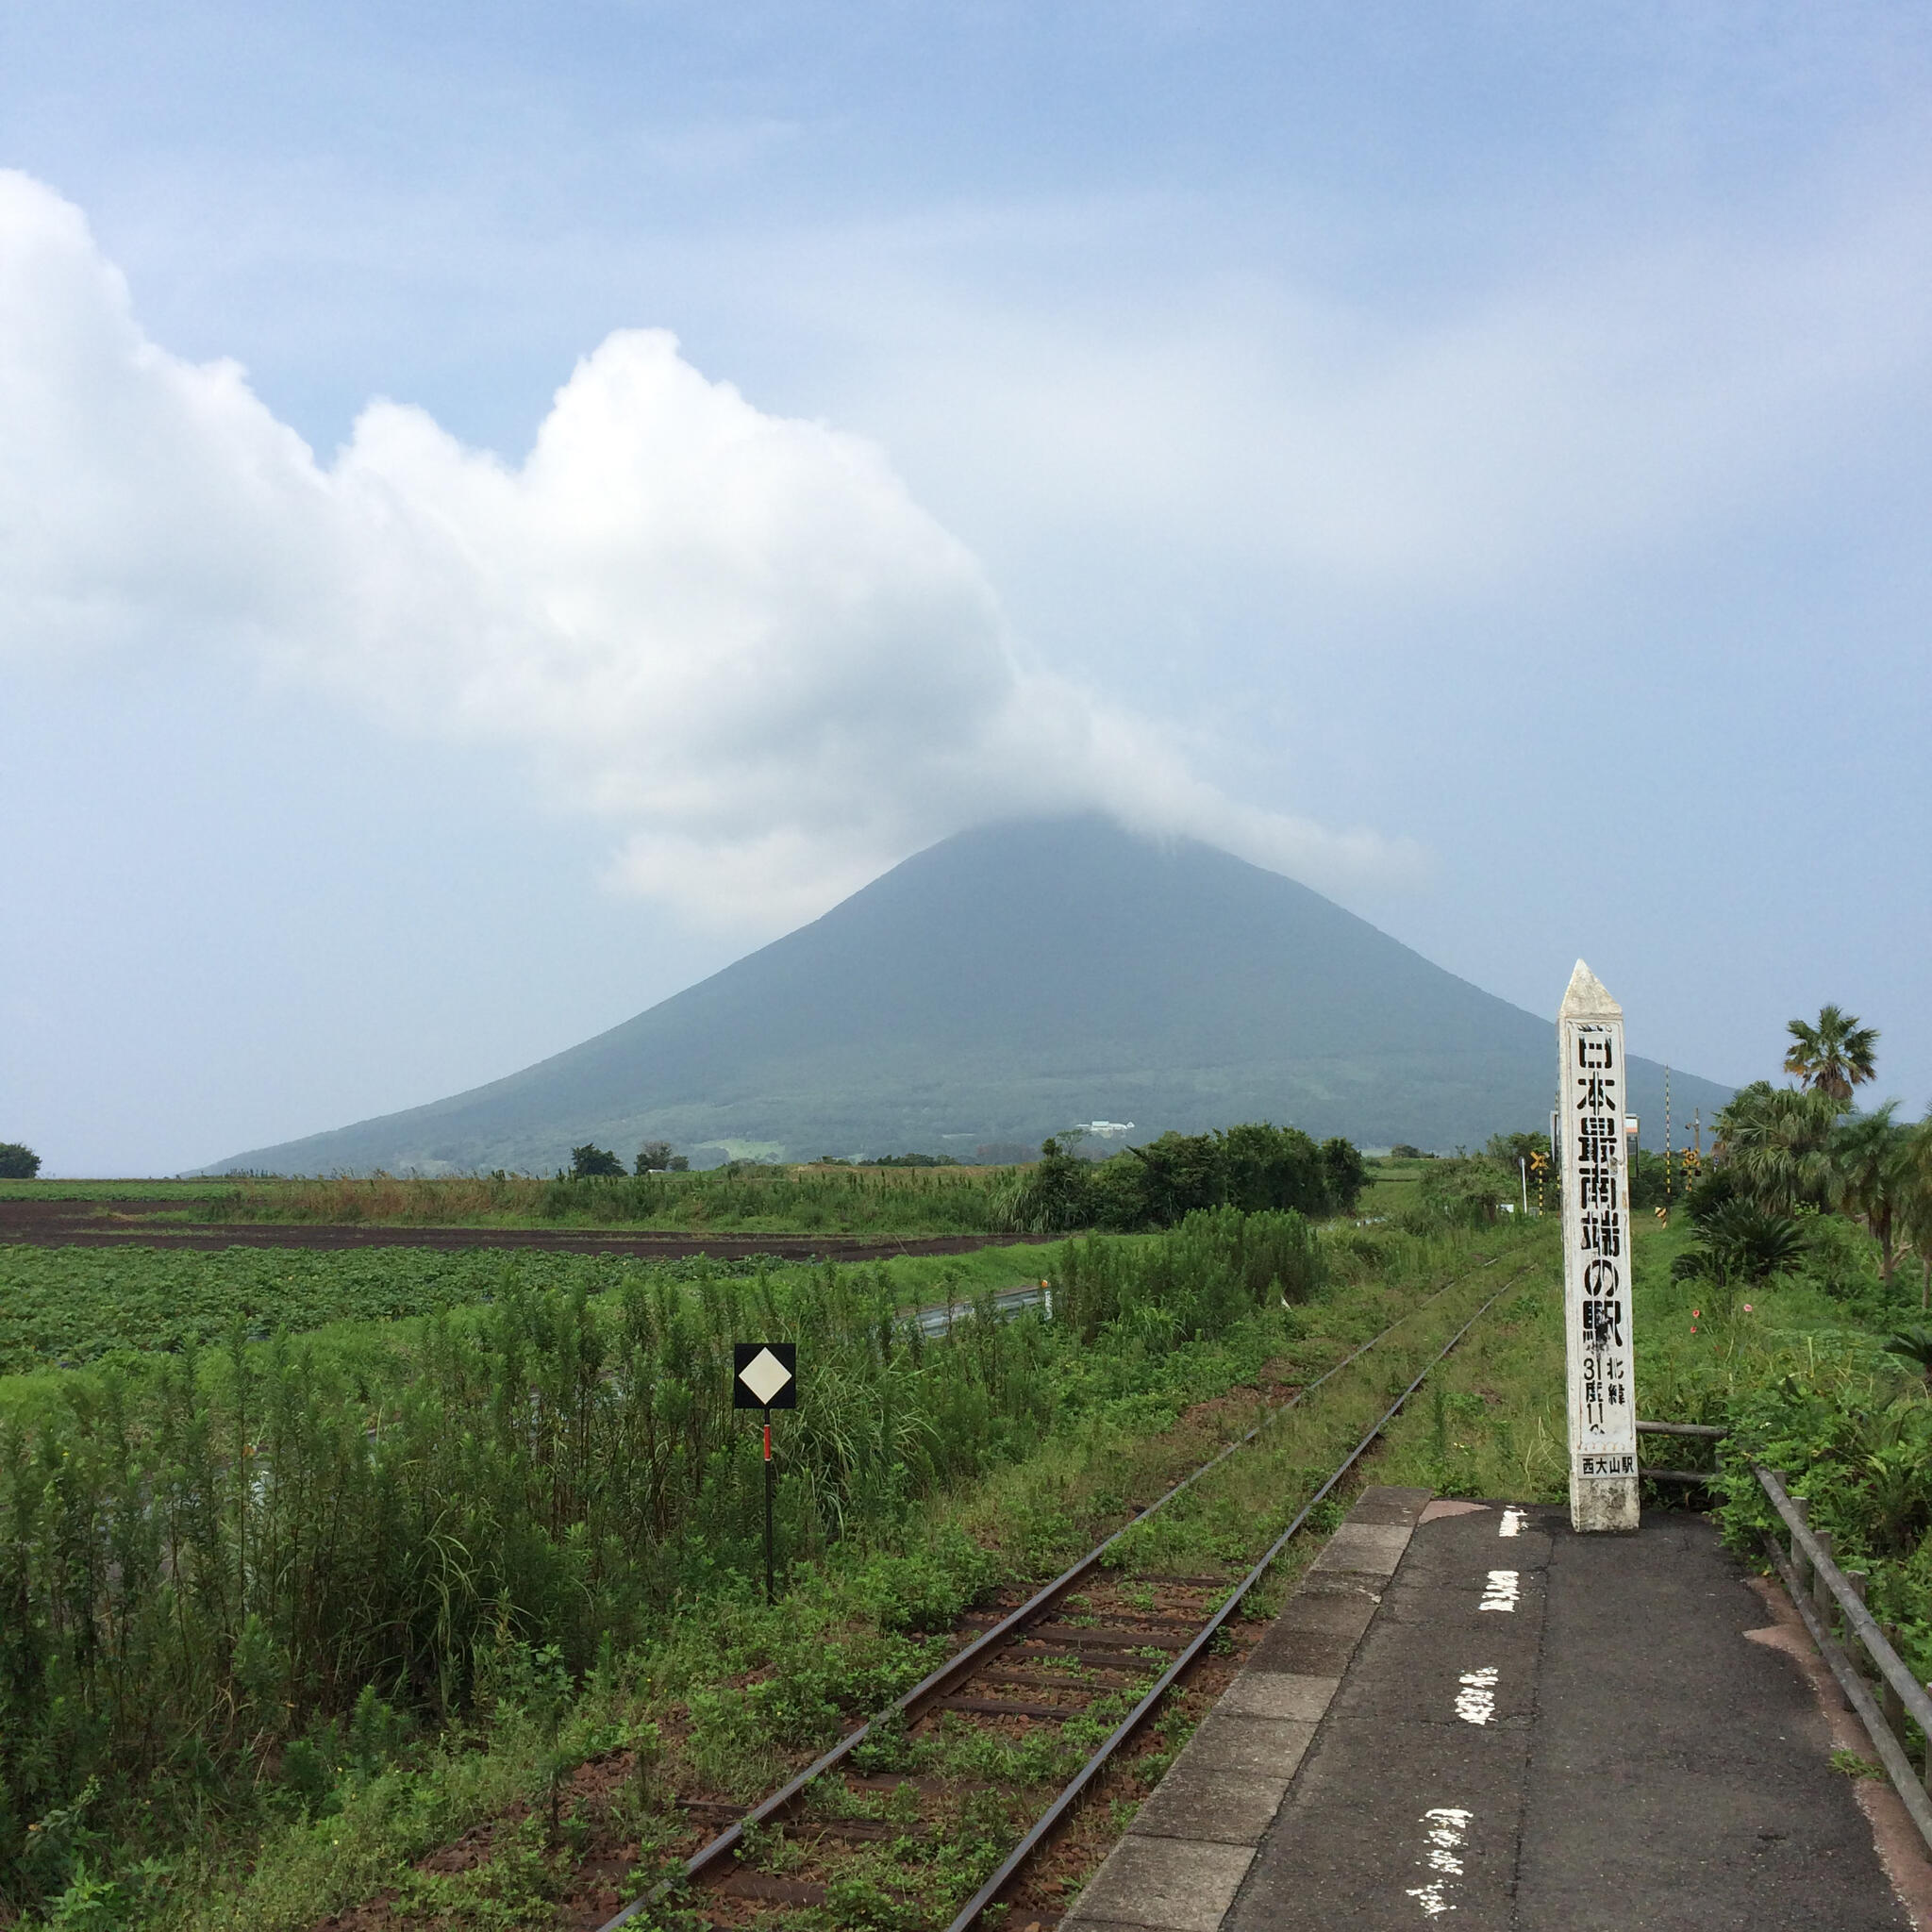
1054 1436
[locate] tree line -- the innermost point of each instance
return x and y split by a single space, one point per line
1255 1167
1786 1154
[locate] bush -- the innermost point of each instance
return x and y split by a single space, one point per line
1195 1281
592 1162
1741 1244
1344 1174
1058 1194
1255 1168
1711 1191
18 1163
1851 1431
1840 1259
1463 1192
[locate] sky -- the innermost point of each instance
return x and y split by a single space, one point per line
503 510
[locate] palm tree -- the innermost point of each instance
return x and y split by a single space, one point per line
1833 1056
1872 1170
1774 1142
1917 1211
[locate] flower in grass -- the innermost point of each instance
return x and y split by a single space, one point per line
1747 1307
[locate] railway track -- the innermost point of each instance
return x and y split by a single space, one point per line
994 1750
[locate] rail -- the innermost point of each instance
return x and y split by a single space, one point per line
989 1892
963 1663
1823 1593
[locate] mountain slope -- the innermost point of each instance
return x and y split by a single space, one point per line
1004 984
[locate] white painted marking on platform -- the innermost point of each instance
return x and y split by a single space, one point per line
1475 1702
1448 1829
1511 1523
1501 1592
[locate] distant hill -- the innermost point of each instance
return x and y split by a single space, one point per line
1003 985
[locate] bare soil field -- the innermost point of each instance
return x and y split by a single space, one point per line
102 1224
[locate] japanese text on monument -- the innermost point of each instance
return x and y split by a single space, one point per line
1597 1237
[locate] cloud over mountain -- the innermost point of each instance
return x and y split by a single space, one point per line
734 639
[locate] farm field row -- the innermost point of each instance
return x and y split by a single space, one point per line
166 1192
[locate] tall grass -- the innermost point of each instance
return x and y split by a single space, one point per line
204 1564
1218 1265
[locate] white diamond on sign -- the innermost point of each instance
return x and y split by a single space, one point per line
767 1375
764 1375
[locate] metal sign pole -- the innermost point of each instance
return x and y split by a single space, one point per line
764 1376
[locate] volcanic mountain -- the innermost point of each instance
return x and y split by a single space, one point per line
1004 985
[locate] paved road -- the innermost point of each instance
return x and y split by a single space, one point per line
1606 1754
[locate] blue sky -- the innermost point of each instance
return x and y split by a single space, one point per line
1476 459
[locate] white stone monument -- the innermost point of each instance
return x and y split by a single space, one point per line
1598 1342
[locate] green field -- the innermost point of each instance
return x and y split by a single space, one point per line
64 1307
1392 1188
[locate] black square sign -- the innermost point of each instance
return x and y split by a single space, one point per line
764 1375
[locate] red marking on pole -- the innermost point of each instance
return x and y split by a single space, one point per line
768 1442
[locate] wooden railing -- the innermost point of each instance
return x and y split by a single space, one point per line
1704 1432
1832 1603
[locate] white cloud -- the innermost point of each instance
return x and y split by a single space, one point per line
733 638
1411 442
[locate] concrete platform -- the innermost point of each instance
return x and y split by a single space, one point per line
1469 1709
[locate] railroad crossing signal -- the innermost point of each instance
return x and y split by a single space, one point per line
764 1375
